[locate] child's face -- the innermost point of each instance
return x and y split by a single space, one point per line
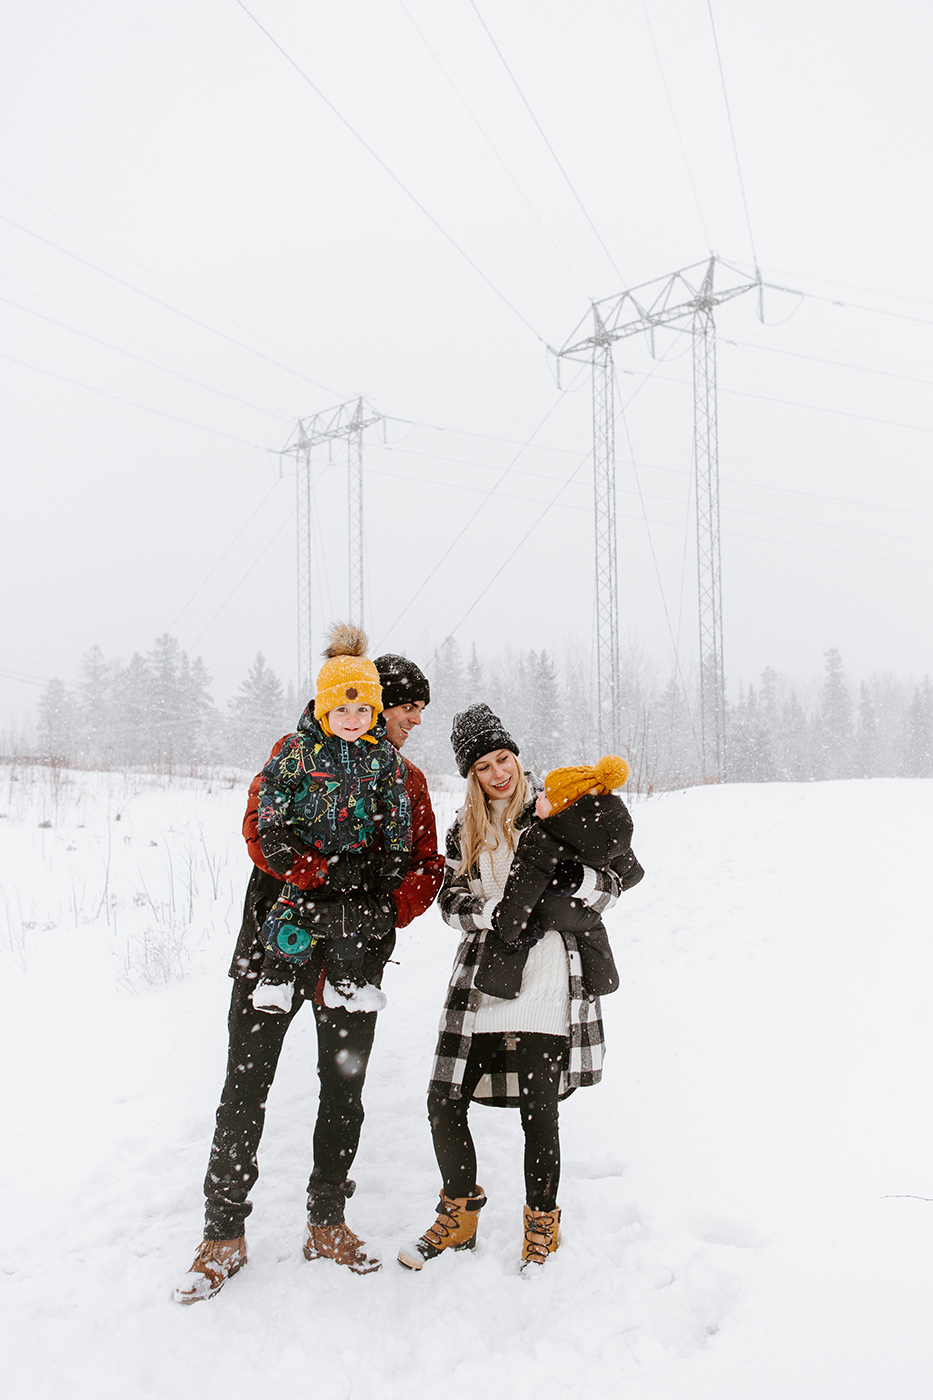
543 808
350 721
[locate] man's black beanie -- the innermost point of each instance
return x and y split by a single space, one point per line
402 681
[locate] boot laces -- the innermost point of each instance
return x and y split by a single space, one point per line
445 1224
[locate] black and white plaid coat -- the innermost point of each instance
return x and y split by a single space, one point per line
464 907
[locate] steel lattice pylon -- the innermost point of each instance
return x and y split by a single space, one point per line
604 513
709 570
347 420
683 296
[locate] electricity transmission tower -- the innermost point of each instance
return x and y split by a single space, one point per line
347 420
688 295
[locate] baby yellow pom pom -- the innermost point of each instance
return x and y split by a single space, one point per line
611 772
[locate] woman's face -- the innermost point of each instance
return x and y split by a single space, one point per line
497 773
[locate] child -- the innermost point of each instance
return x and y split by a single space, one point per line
336 789
581 828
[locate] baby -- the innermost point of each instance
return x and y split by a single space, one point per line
581 827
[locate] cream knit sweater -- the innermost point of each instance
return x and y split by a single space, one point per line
543 1005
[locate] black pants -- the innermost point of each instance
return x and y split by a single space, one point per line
344 1040
538 1061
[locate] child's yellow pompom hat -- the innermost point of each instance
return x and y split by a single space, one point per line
347 677
565 785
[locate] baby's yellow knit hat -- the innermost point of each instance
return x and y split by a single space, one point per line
565 785
347 677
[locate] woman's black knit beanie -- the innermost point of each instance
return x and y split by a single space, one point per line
477 731
402 681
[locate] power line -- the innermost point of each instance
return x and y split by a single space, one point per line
159 301
495 150
235 589
129 354
508 559
223 556
814 407
119 398
390 172
735 148
151 272
670 105
547 143
492 490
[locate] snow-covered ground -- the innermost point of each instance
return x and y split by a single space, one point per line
740 1195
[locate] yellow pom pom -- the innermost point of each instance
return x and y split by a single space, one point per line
611 772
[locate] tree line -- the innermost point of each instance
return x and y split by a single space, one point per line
157 713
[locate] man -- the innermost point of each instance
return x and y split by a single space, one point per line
345 1037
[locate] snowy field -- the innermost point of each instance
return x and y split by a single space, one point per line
741 1218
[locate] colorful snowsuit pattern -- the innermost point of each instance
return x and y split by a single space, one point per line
336 796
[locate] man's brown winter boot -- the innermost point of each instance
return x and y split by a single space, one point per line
214 1262
542 1235
339 1243
454 1228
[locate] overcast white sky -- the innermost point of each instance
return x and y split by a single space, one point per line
197 251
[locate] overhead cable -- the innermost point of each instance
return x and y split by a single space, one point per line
150 271
459 536
159 301
133 403
543 135
129 354
391 173
495 150
735 148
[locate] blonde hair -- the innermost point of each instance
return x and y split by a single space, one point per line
476 825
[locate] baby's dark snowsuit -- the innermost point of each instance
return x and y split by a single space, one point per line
593 831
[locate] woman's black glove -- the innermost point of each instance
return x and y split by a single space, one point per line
531 932
391 869
347 871
568 877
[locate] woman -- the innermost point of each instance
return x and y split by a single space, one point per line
510 1042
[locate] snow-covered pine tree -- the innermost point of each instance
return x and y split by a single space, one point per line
834 730
256 717
57 723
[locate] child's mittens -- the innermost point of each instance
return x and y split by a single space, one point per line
391 869
568 877
347 871
280 849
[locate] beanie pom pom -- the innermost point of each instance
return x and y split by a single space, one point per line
345 639
611 772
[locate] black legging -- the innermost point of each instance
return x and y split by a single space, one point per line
344 1040
538 1061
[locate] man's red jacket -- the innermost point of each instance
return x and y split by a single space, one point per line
417 891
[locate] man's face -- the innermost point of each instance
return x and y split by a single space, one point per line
401 720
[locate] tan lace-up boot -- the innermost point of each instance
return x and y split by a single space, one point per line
339 1243
214 1262
454 1228
542 1235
